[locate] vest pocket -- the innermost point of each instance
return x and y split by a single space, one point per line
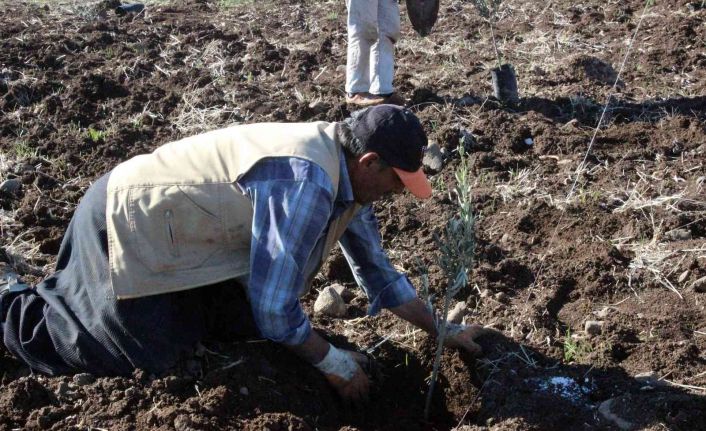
171 236
176 227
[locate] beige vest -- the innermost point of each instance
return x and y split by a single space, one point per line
177 219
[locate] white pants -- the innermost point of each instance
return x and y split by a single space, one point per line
373 29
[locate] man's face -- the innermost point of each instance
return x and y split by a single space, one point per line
372 179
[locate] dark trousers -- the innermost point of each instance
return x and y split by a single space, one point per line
71 322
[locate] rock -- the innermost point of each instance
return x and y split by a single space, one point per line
593 327
84 379
648 377
651 378
603 312
457 313
11 186
46 418
318 106
345 292
467 101
505 238
604 410
500 296
485 293
683 276
433 159
330 303
529 142
183 422
469 141
63 389
679 235
699 285
244 391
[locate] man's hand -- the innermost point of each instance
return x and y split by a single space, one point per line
356 389
342 369
466 339
416 313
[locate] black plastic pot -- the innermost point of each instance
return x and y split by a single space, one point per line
505 84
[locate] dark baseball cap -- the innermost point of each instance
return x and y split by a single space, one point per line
397 136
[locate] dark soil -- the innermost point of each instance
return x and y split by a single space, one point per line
624 242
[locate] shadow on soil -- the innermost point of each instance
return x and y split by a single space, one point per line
518 383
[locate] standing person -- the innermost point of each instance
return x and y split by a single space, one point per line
373 29
243 216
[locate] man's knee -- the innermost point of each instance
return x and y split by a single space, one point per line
367 31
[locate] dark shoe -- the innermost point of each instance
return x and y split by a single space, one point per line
364 99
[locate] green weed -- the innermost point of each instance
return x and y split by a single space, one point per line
23 150
95 135
574 350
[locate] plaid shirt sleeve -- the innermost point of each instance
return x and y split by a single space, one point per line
361 244
292 203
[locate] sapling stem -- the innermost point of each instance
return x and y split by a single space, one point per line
456 249
495 45
488 9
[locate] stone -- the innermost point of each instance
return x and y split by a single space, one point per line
469 141
63 389
457 313
699 285
11 186
84 379
683 276
593 327
244 391
651 378
318 106
330 303
679 235
183 423
603 312
433 159
604 410
345 292
500 296
485 293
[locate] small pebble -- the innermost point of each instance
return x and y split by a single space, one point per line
457 313
84 379
11 186
593 327
683 276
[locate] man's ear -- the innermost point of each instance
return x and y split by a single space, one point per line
369 158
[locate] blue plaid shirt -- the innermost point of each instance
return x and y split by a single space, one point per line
293 205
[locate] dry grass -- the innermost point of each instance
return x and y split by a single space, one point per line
192 117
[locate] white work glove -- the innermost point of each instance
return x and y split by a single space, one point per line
342 370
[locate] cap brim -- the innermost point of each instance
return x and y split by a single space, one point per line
416 182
